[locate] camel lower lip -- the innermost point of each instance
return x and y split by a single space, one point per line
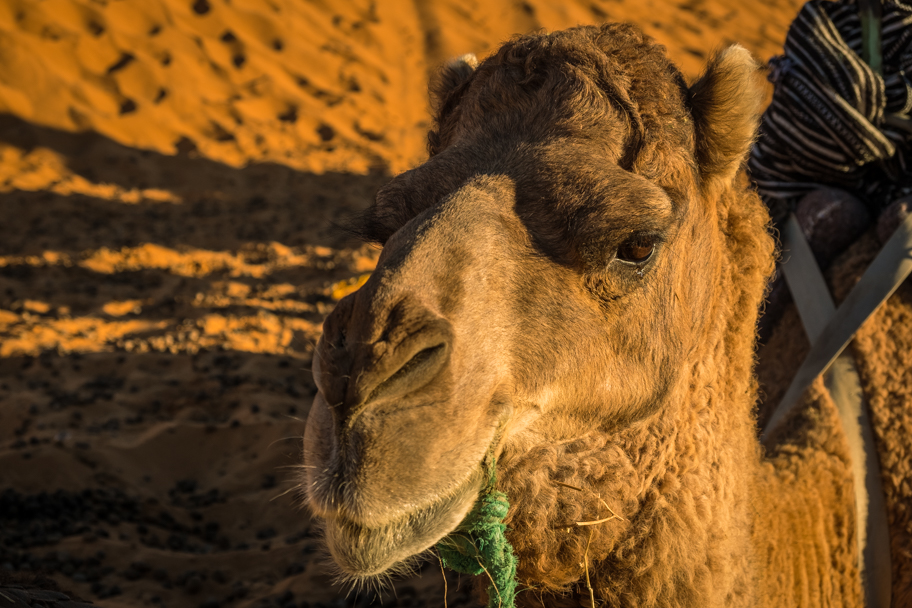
363 552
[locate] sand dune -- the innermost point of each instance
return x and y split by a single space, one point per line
315 86
172 174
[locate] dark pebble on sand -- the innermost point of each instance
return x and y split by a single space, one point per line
293 569
177 542
211 530
326 132
201 7
240 590
111 591
136 571
186 486
266 533
297 536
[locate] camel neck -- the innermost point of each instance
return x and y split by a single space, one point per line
707 520
681 539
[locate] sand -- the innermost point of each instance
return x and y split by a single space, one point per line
172 175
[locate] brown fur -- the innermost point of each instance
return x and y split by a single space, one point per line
884 359
504 320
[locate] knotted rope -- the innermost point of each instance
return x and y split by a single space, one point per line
479 545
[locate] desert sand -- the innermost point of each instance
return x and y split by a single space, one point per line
172 178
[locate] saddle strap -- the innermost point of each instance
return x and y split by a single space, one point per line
888 270
829 331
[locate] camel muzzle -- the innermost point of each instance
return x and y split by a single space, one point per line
410 395
372 359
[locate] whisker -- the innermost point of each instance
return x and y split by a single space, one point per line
291 489
282 439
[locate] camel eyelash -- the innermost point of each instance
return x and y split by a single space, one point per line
638 250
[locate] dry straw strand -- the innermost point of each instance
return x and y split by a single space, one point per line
586 563
443 572
595 522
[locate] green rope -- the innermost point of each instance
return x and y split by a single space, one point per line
479 546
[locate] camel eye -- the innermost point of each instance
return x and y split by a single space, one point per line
637 250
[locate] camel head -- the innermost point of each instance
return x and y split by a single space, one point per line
547 270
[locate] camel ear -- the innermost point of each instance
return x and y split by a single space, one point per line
725 104
453 74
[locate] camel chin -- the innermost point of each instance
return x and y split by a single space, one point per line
363 553
373 525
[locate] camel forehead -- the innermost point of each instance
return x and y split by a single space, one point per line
565 188
577 172
573 186
566 203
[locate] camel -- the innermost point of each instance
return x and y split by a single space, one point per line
570 287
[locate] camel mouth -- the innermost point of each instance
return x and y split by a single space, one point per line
363 552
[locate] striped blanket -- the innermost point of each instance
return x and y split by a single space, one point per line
826 122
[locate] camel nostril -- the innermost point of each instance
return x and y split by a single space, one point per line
416 372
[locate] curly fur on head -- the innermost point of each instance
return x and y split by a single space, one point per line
580 80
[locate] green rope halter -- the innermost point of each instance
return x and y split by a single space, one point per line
478 545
